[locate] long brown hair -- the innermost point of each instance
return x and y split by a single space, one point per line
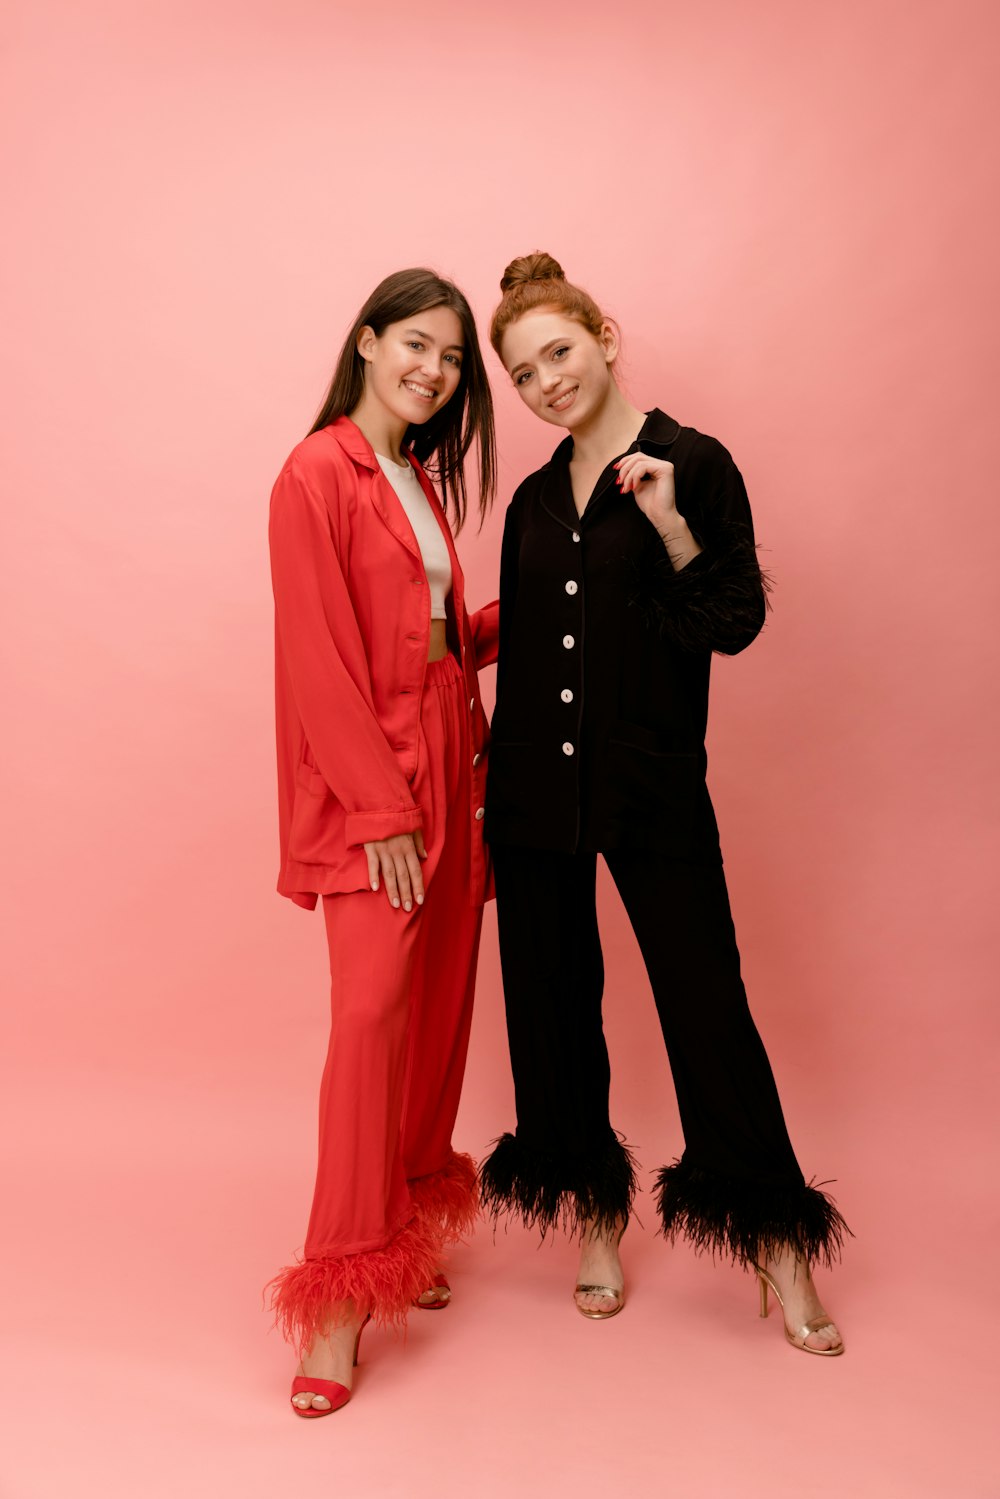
442 443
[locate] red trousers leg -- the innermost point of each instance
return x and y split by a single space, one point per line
401 997
442 1182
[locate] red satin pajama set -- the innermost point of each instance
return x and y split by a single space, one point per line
374 741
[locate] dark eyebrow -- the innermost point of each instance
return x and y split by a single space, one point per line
428 339
543 350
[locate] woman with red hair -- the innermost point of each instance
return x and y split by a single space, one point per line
627 560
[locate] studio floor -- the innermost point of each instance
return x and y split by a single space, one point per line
139 1361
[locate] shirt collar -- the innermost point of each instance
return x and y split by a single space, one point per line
354 442
657 431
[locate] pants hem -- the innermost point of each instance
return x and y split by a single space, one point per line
447 1201
549 1190
745 1220
308 1298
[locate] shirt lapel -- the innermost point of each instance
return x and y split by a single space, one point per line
656 435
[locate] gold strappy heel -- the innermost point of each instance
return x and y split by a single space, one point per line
614 1293
814 1325
611 1291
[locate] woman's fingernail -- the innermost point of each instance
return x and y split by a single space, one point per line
407 906
420 900
395 901
374 884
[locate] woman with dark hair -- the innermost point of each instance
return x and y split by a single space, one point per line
627 560
381 766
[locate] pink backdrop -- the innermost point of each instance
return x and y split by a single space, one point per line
786 208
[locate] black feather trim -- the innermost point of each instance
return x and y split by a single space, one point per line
716 603
569 1192
747 1221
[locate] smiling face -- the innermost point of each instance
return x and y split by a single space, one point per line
559 369
414 367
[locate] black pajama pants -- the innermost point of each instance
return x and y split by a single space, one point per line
738 1187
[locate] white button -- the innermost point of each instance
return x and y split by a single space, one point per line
571 587
576 536
567 748
568 642
566 695
476 759
480 813
472 703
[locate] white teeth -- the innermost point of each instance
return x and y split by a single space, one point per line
420 390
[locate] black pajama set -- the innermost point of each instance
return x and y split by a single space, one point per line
598 746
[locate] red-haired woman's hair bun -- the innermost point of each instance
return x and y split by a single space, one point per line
533 281
535 267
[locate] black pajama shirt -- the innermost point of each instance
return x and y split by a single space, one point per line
598 747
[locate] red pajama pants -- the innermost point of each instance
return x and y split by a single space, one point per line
390 1191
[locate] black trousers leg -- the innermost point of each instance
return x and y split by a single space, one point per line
565 1164
738 1187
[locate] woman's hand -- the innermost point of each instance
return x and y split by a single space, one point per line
397 860
651 481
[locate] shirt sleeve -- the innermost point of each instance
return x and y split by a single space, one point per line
328 669
718 600
484 625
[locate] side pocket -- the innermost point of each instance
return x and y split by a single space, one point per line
656 794
317 831
310 780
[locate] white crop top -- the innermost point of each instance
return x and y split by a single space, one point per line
433 547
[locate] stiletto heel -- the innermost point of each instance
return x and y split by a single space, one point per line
337 1394
814 1325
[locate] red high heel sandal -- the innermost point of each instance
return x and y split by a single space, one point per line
337 1394
440 1290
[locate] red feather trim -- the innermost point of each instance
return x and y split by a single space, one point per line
310 1297
447 1201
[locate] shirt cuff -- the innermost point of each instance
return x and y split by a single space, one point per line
372 827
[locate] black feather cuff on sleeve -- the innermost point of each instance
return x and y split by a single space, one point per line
716 603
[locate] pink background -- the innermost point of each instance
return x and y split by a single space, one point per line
786 206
